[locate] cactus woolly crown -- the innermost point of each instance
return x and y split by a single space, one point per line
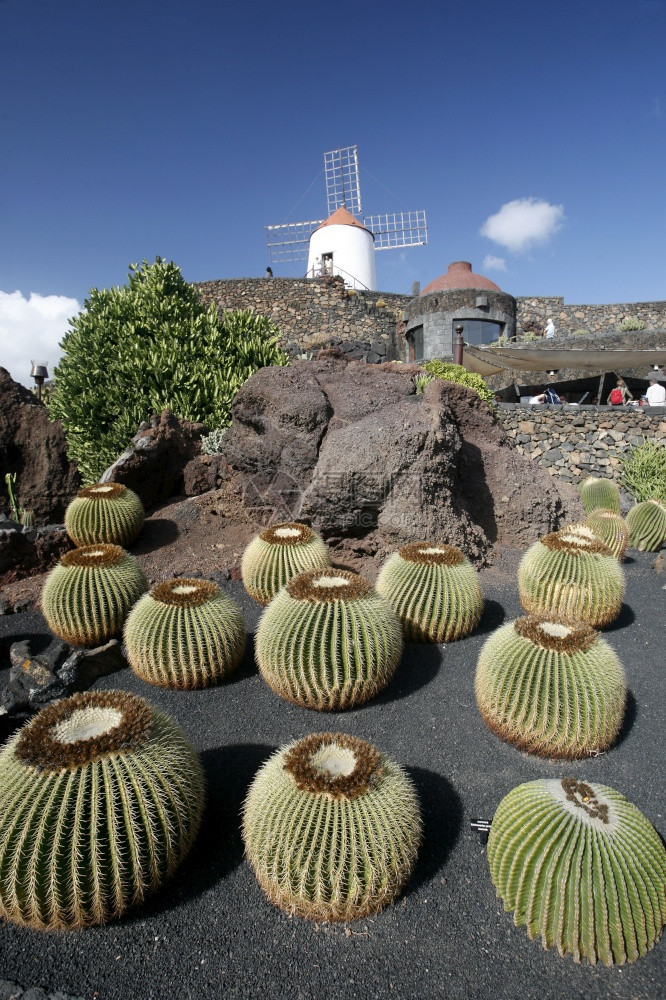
558 636
102 491
328 584
428 554
184 592
575 540
334 764
289 533
93 556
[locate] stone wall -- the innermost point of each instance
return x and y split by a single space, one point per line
572 442
310 313
594 318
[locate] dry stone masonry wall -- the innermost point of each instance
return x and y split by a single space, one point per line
594 318
572 442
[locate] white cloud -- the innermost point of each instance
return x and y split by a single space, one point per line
31 329
521 223
492 263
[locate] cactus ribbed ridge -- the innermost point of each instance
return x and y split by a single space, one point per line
101 796
278 554
184 634
599 494
105 512
331 828
328 640
610 529
435 591
647 525
88 595
581 867
571 576
552 689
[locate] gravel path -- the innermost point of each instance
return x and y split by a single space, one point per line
210 933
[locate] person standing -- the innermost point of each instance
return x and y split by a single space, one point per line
620 395
656 394
549 332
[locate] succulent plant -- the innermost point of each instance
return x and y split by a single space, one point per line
610 529
647 525
184 634
580 866
105 512
279 553
328 640
101 796
331 828
571 576
599 494
435 591
88 595
552 689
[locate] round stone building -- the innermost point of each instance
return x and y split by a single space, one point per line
459 297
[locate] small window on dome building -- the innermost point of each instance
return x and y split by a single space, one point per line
479 331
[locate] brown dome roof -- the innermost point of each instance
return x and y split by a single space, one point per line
460 275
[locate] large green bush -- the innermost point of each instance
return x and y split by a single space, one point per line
644 471
459 374
151 344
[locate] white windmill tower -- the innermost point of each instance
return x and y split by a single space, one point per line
344 244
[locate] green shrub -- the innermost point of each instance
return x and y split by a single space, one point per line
457 373
644 471
582 332
630 323
528 336
211 444
147 346
420 382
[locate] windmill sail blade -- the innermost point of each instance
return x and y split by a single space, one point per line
398 229
289 241
342 187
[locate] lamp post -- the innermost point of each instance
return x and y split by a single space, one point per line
40 373
458 344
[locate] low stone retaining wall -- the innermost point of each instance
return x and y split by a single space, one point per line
572 442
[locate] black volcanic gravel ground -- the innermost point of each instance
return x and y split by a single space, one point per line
210 933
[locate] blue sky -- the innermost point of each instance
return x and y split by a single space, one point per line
136 129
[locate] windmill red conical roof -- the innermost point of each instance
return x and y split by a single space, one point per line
342 217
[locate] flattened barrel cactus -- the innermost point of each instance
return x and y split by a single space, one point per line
571 576
105 512
278 554
435 591
581 867
184 634
331 828
88 595
328 640
101 796
647 525
599 494
610 529
552 689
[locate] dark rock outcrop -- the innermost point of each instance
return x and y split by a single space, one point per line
153 467
34 447
353 450
27 551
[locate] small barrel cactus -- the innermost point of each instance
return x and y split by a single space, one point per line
610 529
435 591
331 828
552 689
278 554
105 512
647 525
580 866
184 634
101 796
328 640
571 576
88 595
599 494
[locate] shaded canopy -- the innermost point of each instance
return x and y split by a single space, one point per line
495 360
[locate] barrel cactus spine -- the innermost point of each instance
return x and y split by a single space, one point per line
599 494
551 689
279 553
101 797
328 641
435 591
571 576
610 529
331 828
104 512
185 633
88 595
581 867
646 522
